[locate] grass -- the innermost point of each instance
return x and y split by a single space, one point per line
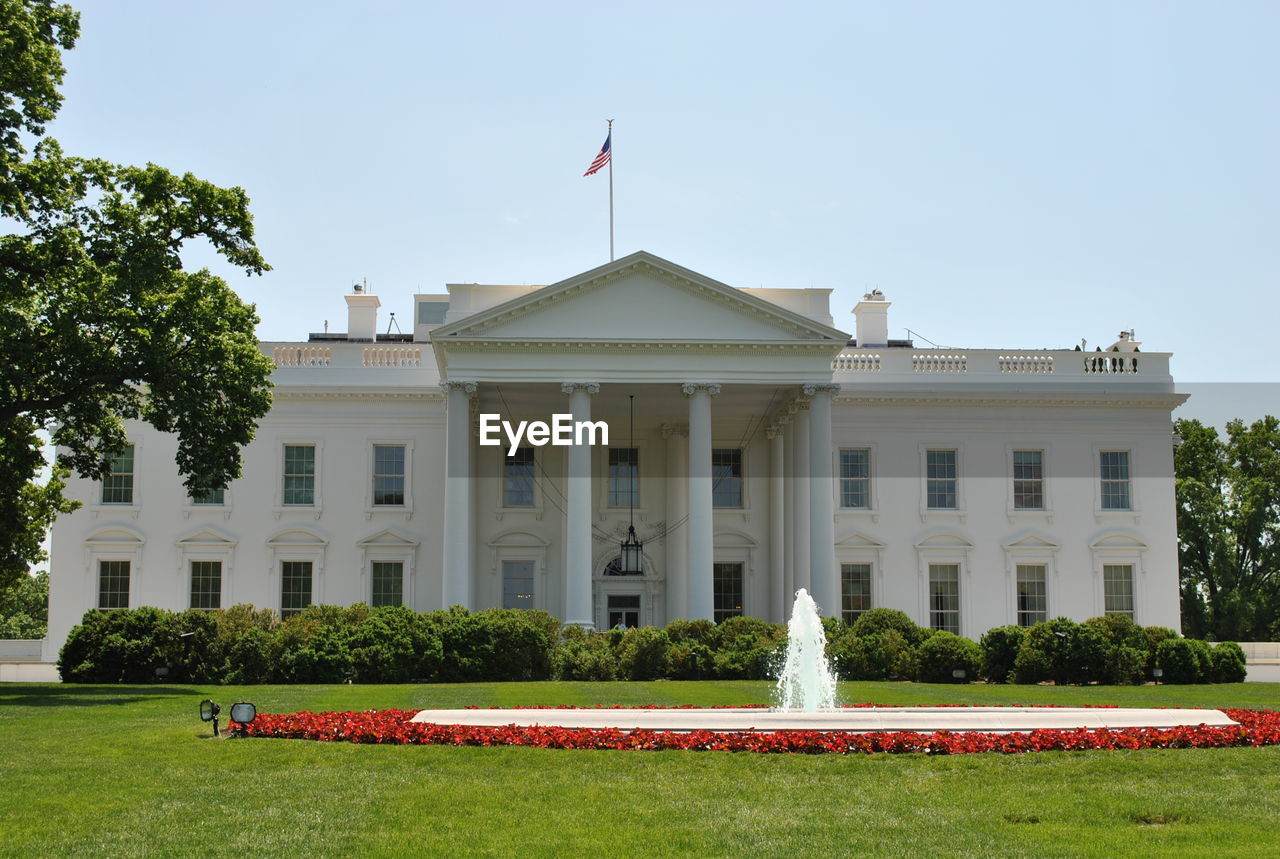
131 770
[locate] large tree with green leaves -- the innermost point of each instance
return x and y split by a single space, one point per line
99 320
1229 529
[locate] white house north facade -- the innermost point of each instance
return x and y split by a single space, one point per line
968 488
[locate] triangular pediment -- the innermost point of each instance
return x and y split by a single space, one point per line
859 541
639 298
206 537
1031 543
388 538
297 537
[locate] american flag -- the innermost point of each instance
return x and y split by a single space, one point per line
603 158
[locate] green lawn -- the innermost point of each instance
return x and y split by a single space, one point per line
130 769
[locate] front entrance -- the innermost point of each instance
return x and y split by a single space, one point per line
623 610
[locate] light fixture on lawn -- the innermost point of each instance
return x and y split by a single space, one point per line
209 713
632 549
243 712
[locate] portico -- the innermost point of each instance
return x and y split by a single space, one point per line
718 377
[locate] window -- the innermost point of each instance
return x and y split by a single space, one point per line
726 583
940 467
1117 589
623 610
113 585
624 474
432 312
206 584
299 475
726 477
944 597
1028 480
388 583
855 478
1114 469
388 475
117 486
295 587
1033 606
855 590
517 478
211 497
517 584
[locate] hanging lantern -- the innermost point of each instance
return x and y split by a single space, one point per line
632 561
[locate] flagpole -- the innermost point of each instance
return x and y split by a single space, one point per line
610 137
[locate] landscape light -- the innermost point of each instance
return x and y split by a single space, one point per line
957 674
243 712
209 713
1157 673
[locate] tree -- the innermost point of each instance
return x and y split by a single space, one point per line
101 322
24 607
1228 493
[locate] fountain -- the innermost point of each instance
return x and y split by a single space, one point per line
807 684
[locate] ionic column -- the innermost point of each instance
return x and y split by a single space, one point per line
459 533
701 540
677 541
823 578
777 524
801 538
789 513
577 550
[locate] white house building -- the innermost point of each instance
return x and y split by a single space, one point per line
970 488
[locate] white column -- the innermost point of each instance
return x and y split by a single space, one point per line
789 510
459 534
701 540
677 540
577 550
801 539
777 525
823 578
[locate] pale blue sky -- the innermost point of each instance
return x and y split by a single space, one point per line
1011 174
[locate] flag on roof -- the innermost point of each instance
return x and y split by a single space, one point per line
603 158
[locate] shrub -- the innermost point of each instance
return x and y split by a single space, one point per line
1228 662
999 652
394 645
122 646
943 654
1118 630
1063 651
1153 635
884 655
584 655
880 619
1179 661
518 646
643 654
746 648
251 657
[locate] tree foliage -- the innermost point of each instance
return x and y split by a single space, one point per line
101 322
1228 492
24 607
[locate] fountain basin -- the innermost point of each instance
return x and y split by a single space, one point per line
994 720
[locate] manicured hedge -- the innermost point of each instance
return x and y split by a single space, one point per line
332 644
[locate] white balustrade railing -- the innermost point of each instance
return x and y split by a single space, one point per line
1025 363
857 362
929 363
302 356
391 356
1110 362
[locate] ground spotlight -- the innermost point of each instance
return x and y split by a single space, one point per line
243 712
209 713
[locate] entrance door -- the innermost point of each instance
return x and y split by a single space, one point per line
624 610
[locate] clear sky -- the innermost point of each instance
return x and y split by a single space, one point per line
1011 174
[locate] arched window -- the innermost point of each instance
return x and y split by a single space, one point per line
614 568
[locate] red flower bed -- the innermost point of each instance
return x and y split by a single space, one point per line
1256 728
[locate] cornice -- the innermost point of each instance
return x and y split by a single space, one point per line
1065 400
637 347
424 394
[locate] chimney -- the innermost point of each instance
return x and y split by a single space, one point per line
362 314
872 314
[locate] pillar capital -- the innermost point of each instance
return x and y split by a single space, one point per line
675 431
589 387
467 388
691 388
814 390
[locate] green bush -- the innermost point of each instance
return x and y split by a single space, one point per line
1179 660
881 619
1063 651
943 654
747 648
643 654
394 645
884 655
584 655
1000 648
1153 635
1228 662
